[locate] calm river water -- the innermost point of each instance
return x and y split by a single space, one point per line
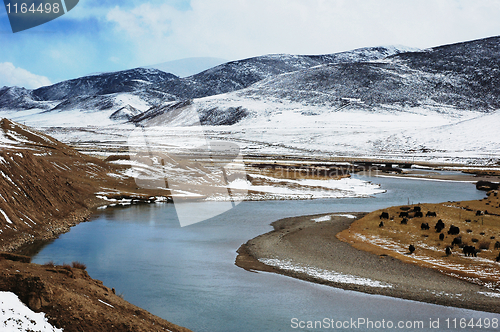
187 275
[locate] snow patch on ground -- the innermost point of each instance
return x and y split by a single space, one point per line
329 217
332 276
490 294
321 219
5 216
15 316
308 188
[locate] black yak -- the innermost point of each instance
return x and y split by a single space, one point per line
457 241
470 251
384 215
454 230
439 226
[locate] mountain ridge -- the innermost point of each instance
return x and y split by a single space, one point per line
155 86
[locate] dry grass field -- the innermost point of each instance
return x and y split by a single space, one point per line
478 223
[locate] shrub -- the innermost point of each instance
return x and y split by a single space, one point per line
78 265
49 264
67 267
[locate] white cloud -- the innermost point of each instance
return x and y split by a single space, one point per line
242 28
12 76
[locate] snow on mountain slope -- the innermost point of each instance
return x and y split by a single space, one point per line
377 102
279 127
189 66
103 84
98 93
467 138
104 93
236 75
407 105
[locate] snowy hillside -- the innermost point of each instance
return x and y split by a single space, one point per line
240 74
406 106
153 87
436 104
189 66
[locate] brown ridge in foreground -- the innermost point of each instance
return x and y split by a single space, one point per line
72 300
45 188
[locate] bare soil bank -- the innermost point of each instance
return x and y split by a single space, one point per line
72 300
301 241
45 188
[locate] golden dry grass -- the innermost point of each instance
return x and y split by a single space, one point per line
395 238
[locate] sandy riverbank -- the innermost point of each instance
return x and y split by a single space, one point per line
307 248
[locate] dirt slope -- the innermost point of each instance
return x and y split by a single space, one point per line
72 300
45 188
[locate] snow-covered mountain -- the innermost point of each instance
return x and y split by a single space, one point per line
405 105
383 101
153 87
236 75
189 66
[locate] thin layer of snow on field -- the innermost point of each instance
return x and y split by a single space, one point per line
332 276
490 294
308 188
350 216
329 217
419 178
482 268
64 118
15 316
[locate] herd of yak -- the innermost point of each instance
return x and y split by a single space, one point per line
416 212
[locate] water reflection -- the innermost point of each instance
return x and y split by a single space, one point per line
187 275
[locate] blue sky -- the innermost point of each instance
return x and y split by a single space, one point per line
98 36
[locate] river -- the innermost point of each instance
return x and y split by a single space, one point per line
187 275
